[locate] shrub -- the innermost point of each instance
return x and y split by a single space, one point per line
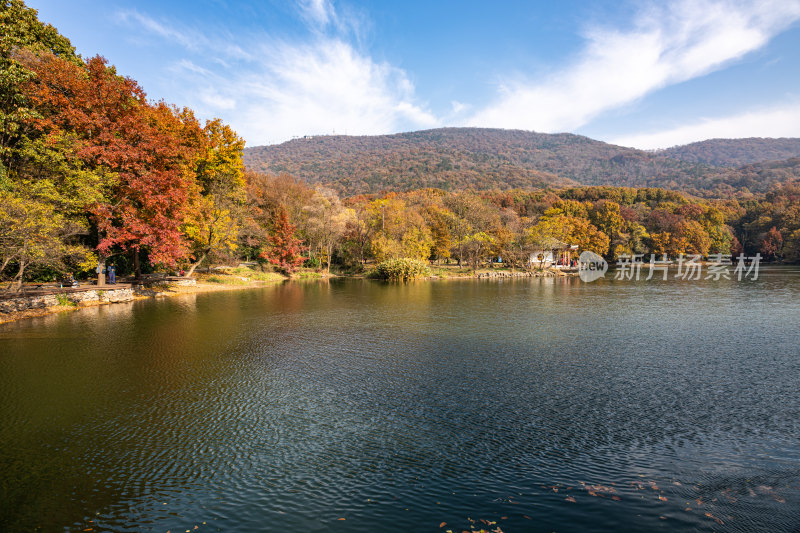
401 270
64 300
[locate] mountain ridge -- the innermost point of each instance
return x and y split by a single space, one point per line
488 158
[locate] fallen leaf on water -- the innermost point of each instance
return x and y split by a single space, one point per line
503 518
443 524
715 519
592 493
676 483
663 517
601 488
616 498
662 498
778 498
341 519
527 517
570 499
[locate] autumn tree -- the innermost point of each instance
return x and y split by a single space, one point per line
139 152
326 221
284 249
772 243
570 230
33 233
358 231
216 205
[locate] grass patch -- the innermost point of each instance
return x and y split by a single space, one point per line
226 280
265 276
452 272
308 275
64 300
245 272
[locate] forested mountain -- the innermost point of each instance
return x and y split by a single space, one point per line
483 158
758 177
458 158
735 152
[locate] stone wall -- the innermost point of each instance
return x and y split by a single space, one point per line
24 303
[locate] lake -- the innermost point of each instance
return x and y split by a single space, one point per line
531 404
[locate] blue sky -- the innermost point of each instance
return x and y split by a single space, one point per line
643 74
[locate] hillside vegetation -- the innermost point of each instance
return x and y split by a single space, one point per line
486 159
458 158
735 152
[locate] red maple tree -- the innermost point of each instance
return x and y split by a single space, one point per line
141 150
285 249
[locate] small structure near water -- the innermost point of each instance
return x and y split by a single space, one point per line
557 255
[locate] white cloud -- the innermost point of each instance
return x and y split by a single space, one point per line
189 40
781 121
270 91
458 107
319 13
323 88
665 46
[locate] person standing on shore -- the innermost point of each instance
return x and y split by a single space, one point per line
112 274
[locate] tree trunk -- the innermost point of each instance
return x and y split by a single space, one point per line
137 267
195 265
16 284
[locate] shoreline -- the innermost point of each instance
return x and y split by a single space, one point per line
202 284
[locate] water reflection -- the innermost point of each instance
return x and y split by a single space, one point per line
552 403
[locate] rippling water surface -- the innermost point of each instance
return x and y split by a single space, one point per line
528 405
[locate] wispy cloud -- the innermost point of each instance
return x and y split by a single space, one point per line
272 90
325 87
318 13
778 121
666 45
188 40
